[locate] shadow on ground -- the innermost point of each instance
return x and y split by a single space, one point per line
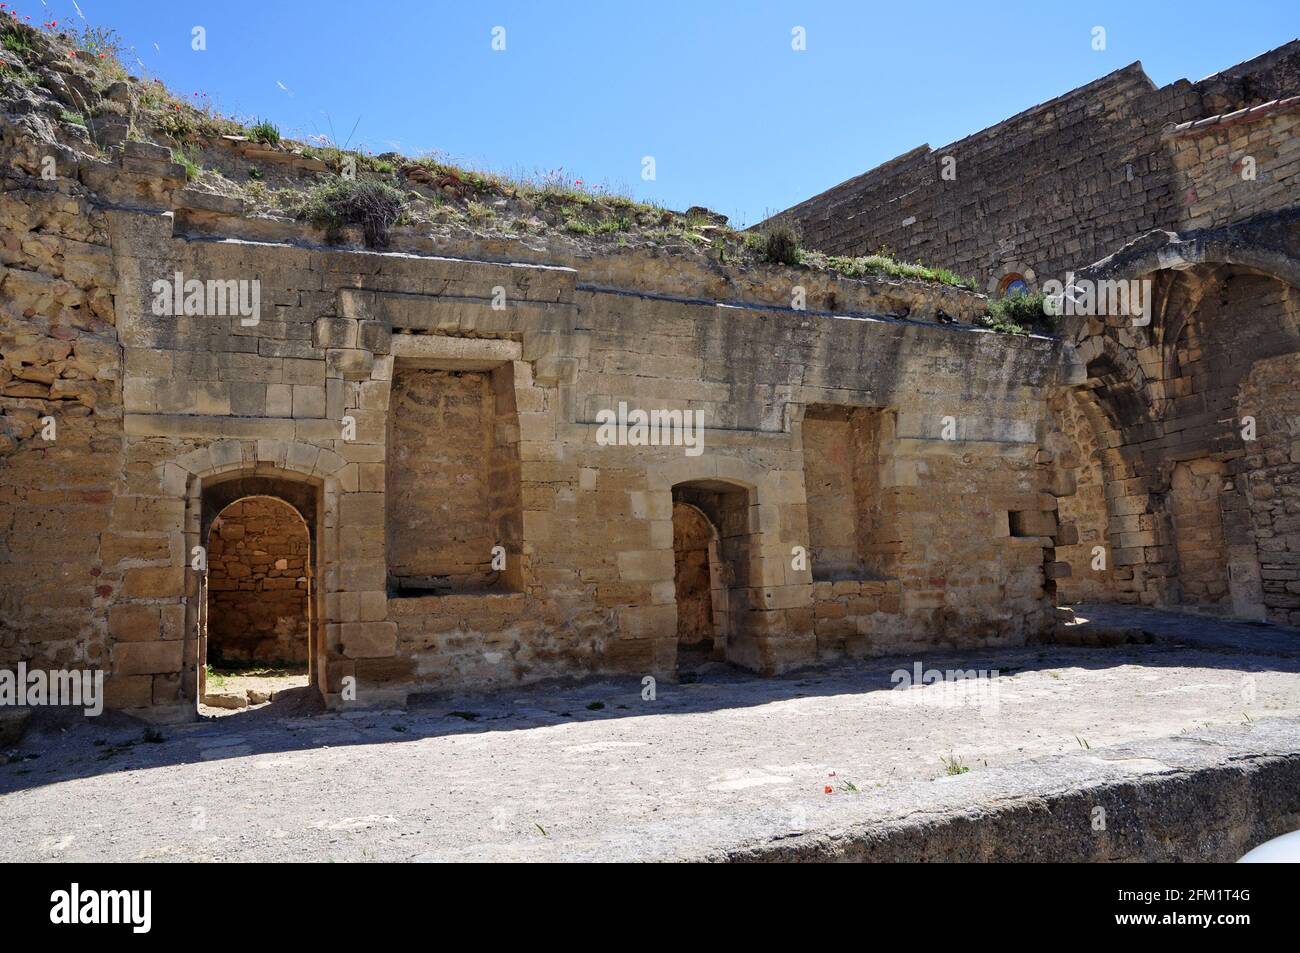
62 746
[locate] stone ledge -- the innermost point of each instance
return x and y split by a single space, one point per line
453 603
196 425
437 352
1165 799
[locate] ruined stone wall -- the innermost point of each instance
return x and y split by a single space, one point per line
258 552
180 413
1271 394
1056 187
1177 410
61 568
1198 532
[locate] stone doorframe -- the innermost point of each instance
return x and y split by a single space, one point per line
760 635
259 463
719 588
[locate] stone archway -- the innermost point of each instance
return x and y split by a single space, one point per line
1190 451
712 521
259 598
300 475
259 584
766 601
700 586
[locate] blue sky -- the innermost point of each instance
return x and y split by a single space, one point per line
734 118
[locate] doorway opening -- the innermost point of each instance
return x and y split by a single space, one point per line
701 593
711 549
259 618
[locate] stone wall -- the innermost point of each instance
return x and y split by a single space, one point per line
1188 419
1271 394
928 466
439 481
1232 167
258 581
1194 490
1065 183
415 426
61 568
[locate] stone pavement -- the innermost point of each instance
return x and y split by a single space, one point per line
1190 749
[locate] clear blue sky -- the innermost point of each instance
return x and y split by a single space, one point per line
735 118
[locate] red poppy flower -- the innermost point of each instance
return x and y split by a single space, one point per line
828 789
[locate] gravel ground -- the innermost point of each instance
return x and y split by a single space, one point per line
557 770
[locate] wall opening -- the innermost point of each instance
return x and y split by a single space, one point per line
712 543
259 584
849 517
699 584
259 620
1012 284
1081 435
453 488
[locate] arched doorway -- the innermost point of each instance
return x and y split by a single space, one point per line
697 577
713 540
259 584
259 628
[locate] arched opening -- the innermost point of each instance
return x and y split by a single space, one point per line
259 617
1080 437
713 537
1191 450
699 585
1012 284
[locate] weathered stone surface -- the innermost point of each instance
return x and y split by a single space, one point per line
868 475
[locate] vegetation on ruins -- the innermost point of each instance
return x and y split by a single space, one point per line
778 244
1019 314
192 170
264 131
374 206
74 74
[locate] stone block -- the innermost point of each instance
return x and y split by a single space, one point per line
368 639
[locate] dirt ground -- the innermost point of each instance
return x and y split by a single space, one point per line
230 691
563 769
